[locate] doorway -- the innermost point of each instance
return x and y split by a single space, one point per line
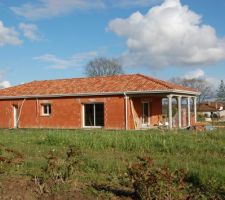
145 114
15 116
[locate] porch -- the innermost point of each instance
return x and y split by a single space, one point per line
155 110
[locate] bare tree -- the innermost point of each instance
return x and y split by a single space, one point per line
103 67
199 84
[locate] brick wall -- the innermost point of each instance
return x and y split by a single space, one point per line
155 110
66 112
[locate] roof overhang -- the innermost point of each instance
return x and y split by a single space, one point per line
165 92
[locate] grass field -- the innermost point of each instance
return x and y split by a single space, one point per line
106 154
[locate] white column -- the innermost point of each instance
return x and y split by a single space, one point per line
170 111
189 110
195 108
179 111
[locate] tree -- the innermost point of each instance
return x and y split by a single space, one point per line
221 92
103 67
199 84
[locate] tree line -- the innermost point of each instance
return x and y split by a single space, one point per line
105 67
207 89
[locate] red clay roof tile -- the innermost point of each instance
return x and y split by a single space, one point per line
103 84
210 106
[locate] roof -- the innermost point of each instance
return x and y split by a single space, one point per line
93 85
210 106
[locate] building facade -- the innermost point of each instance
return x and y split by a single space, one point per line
112 102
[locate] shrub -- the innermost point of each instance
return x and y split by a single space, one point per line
152 183
58 170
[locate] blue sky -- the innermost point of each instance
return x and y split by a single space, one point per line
48 39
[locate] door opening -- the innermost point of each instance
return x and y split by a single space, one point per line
15 116
145 114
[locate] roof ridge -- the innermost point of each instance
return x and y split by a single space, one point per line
167 84
161 82
105 76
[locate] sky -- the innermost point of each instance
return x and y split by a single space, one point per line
51 39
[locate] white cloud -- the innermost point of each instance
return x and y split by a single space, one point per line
198 73
30 31
169 34
76 60
8 36
5 84
51 8
129 3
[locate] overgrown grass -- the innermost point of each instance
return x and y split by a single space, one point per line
106 154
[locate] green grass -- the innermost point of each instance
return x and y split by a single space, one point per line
218 123
106 154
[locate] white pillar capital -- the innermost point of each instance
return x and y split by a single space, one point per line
170 96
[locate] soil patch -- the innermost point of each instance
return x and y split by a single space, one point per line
22 188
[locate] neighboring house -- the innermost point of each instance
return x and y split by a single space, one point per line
211 109
111 102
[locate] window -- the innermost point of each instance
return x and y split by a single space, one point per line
94 115
46 109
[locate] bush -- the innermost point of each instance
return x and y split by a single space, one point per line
152 183
58 170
